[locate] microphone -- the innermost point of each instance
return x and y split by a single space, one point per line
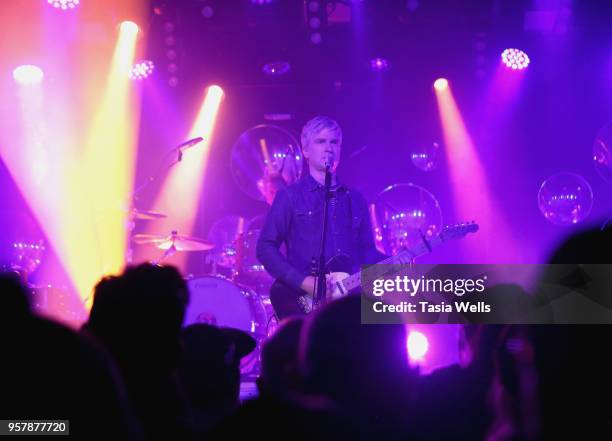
190 143
328 175
187 144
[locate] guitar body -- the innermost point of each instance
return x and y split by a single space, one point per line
288 301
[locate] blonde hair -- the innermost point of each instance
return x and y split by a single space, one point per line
317 125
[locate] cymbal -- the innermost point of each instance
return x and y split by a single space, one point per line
180 242
147 214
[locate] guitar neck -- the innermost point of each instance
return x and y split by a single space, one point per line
354 280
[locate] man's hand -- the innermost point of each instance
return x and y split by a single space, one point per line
309 285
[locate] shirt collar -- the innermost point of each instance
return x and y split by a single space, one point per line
312 184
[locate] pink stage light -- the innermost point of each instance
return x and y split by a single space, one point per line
141 70
64 4
129 27
441 84
417 345
28 74
515 59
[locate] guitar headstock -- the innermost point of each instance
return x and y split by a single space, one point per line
458 231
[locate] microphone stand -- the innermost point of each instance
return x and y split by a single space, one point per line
179 151
320 297
134 196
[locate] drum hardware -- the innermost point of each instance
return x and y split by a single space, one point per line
172 243
137 214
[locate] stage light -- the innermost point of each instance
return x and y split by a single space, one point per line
141 70
64 4
316 38
129 27
276 68
417 345
190 173
380 64
314 22
28 74
110 151
208 11
467 169
314 6
515 59
441 84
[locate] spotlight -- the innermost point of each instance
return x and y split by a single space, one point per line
208 11
314 6
417 345
129 27
141 70
515 59
276 68
314 22
316 38
380 64
441 84
28 74
64 4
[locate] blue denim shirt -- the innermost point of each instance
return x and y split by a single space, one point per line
296 219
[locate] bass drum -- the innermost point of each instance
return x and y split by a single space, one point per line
218 301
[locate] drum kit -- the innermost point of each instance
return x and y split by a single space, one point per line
235 291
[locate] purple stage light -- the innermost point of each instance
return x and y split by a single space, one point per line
515 59
261 2
380 64
208 11
417 345
28 74
314 22
316 38
314 6
276 68
141 70
64 4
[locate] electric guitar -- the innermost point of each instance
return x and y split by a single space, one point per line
340 283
